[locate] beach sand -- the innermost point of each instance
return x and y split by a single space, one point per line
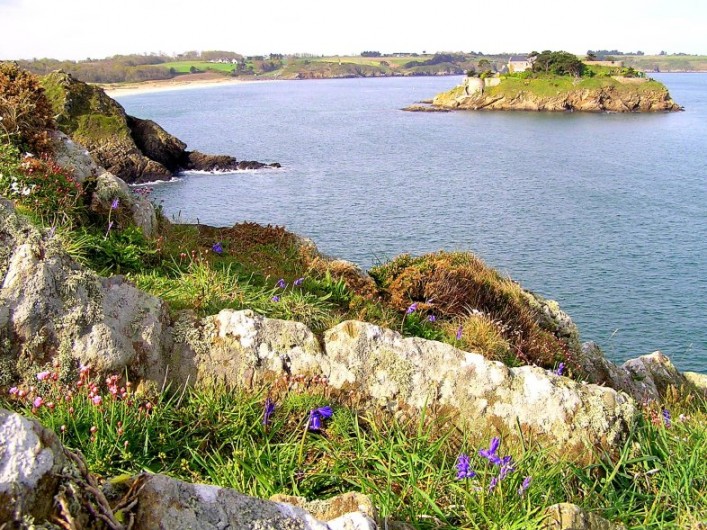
182 82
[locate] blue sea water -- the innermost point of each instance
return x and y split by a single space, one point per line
605 213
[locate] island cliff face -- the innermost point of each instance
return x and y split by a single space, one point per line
132 149
610 95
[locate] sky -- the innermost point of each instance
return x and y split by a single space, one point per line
78 29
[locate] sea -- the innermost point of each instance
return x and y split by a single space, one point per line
605 213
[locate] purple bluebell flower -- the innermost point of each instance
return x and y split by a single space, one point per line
281 284
666 418
431 318
217 248
490 454
316 416
460 329
275 298
298 282
524 486
494 482
268 410
411 309
114 205
463 469
507 467
560 369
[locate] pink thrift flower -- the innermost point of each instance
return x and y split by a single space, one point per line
14 391
38 402
41 376
96 400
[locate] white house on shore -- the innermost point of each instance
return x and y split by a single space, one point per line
520 64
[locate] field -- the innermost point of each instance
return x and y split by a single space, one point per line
184 67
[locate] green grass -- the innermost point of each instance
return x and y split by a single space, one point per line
184 67
216 435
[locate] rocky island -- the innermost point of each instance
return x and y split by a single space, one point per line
159 375
556 81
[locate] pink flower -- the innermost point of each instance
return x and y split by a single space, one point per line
38 402
41 376
96 400
14 390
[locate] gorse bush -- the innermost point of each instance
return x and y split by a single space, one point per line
25 111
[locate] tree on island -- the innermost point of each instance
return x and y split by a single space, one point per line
558 63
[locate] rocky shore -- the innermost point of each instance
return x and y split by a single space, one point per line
131 148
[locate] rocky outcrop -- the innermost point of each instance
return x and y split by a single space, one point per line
51 308
31 460
133 149
610 98
646 378
164 502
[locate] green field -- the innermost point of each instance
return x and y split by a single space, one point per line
184 67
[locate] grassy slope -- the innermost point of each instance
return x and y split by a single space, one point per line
554 85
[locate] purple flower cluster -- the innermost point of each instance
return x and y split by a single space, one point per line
316 417
560 370
411 309
463 467
505 464
281 283
666 418
217 248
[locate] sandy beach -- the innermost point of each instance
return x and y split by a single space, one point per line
182 82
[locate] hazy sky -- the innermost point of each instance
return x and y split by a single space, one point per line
76 29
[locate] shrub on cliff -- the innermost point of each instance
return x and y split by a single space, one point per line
483 310
25 112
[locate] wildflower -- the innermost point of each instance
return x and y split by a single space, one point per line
21 393
490 453
269 408
494 482
41 376
38 402
507 467
14 391
560 369
275 298
317 415
217 248
463 469
666 418
114 205
524 486
459 332
97 400
93 429
411 309
298 282
431 318
281 284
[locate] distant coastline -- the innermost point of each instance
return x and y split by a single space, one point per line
187 82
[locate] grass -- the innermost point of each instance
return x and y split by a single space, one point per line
184 67
217 436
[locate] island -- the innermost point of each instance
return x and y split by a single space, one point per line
557 81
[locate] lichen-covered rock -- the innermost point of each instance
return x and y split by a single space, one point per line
328 509
567 516
243 349
54 308
73 157
164 502
133 208
399 373
646 378
31 460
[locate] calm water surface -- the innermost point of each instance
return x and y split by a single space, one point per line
603 212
